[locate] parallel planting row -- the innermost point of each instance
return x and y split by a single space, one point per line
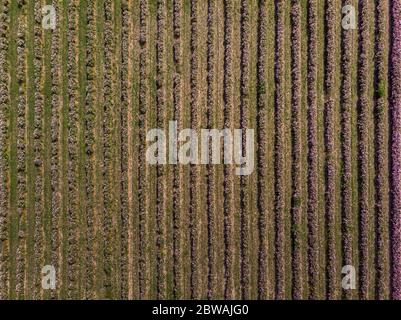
78 197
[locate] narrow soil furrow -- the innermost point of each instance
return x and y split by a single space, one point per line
381 152
270 139
63 281
218 112
286 151
81 147
236 119
13 149
46 123
320 276
202 16
98 149
250 146
132 92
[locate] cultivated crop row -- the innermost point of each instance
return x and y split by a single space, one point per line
142 173
21 156
55 148
89 130
261 160
381 153
363 148
109 106
125 105
227 182
72 147
160 175
312 204
244 106
279 184
296 149
330 167
210 197
346 182
395 147
177 198
194 169
38 150
4 110
77 192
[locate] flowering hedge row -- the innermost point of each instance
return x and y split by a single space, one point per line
279 144
177 201
38 150
381 153
244 106
73 152
4 134
160 175
210 192
228 181
261 155
363 148
312 205
55 147
142 172
21 155
346 176
296 202
395 148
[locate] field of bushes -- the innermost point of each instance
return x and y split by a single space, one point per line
76 191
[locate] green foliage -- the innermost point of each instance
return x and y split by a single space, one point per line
297 202
261 88
380 109
381 89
